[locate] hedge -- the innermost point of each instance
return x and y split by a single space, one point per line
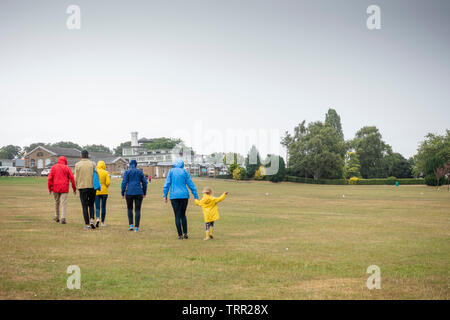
320 181
388 181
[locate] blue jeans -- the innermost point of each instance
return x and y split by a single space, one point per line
100 202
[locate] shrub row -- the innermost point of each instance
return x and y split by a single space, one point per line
388 181
320 181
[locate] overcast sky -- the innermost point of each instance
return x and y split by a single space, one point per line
206 69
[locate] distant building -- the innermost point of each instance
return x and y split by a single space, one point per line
6 163
43 157
157 163
19 163
114 164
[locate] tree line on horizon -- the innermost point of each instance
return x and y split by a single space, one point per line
319 151
13 152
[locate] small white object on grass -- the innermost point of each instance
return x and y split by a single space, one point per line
343 196
267 193
287 249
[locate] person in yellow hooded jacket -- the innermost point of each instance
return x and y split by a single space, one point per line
210 209
102 194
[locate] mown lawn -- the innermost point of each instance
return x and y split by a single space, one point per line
273 241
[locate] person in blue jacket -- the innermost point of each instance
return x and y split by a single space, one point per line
134 189
176 182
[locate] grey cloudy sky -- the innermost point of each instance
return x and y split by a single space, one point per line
168 67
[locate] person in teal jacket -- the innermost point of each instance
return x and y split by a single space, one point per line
176 182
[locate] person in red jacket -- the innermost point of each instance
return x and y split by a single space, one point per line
58 184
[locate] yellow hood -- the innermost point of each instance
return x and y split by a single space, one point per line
101 165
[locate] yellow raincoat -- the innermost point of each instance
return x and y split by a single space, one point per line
103 176
209 206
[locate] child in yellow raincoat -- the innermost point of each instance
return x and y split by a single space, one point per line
210 209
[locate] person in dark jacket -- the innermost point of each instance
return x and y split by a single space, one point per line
58 184
134 189
176 182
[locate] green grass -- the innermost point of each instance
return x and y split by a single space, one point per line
273 241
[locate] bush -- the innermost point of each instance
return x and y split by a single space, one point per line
357 181
239 173
223 176
232 167
430 180
353 180
259 174
320 181
405 181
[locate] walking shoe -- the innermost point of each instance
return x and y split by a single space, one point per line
136 229
103 224
130 228
56 219
63 221
97 224
185 236
208 238
92 226
180 238
87 227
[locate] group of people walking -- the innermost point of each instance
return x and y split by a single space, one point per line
92 183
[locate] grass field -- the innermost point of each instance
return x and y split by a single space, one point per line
273 241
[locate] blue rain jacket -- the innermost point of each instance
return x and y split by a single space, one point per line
134 182
176 182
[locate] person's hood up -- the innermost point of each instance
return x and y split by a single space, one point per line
101 165
133 164
62 160
178 164
206 198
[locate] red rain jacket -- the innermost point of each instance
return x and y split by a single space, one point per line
60 174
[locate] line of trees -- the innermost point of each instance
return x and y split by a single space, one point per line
13 152
254 167
319 151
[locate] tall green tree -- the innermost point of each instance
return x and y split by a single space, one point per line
316 151
352 165
67 144
333 119
10 152
118 151
252 162
97 148
371 150
162 143
433 146
280 174
395 165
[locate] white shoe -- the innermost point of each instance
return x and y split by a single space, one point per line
103 224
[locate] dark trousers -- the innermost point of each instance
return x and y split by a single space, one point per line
87 197
137 200
179 209
100 203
